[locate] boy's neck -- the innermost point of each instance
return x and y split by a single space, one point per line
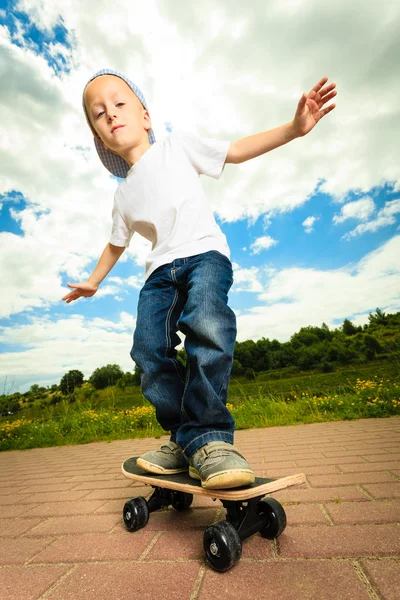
134 154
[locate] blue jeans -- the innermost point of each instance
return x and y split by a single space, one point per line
189 294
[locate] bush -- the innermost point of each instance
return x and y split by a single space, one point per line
70 381
106 376
237 368
249 373
56 399
326 367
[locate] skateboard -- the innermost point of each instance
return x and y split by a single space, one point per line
247 511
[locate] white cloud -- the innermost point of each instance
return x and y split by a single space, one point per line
359 209
262 243
308 224
297 297
246 280
54 345
385 217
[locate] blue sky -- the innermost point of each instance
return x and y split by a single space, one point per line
313 226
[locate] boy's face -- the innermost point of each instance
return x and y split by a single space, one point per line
116 114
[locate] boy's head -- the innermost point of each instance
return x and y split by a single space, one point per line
109 99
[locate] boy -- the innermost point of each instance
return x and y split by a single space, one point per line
188 271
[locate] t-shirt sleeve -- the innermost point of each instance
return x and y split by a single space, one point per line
120 233
207 155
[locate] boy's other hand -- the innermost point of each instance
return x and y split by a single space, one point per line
84 289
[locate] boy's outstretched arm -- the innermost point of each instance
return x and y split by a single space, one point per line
307 115
88 288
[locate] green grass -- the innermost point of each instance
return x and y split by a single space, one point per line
371 390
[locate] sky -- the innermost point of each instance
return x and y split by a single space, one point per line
313 226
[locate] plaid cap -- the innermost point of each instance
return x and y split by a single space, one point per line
115 164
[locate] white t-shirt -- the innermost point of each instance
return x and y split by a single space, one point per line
163 200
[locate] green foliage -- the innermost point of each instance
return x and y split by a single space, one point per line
312 347
129 379
70 381
237 368
106 376
9 405
349 329
379 318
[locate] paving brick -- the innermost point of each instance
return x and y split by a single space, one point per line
64 509
90 477
294 580
306 456
191 519
330 461
28 583
384 490
11 490
10 500
96 547
304 514
367 467
99 485
374 512
379 458
16 510
128 581
339 541
178 545
110 494
277 473
16 527
296 494
366 452
384 576
349 479
110 507
17 551
288 464
75 525
52 497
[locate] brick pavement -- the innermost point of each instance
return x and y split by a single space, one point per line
62 537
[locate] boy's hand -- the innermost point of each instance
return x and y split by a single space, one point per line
309 107
85 289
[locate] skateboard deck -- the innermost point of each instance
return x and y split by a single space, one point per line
182 482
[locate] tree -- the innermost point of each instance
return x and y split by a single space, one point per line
70 381
348 328
237 369
379 318
371 346
103 377
34 388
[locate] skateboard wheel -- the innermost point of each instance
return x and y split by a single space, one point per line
222 545
135 514
276 518
181 500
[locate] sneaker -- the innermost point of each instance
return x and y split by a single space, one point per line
169 459
219 466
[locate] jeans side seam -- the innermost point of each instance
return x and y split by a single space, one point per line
167 333
184 389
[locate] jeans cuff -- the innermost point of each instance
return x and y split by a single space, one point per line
206 438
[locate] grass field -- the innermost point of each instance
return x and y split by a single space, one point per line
273 398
